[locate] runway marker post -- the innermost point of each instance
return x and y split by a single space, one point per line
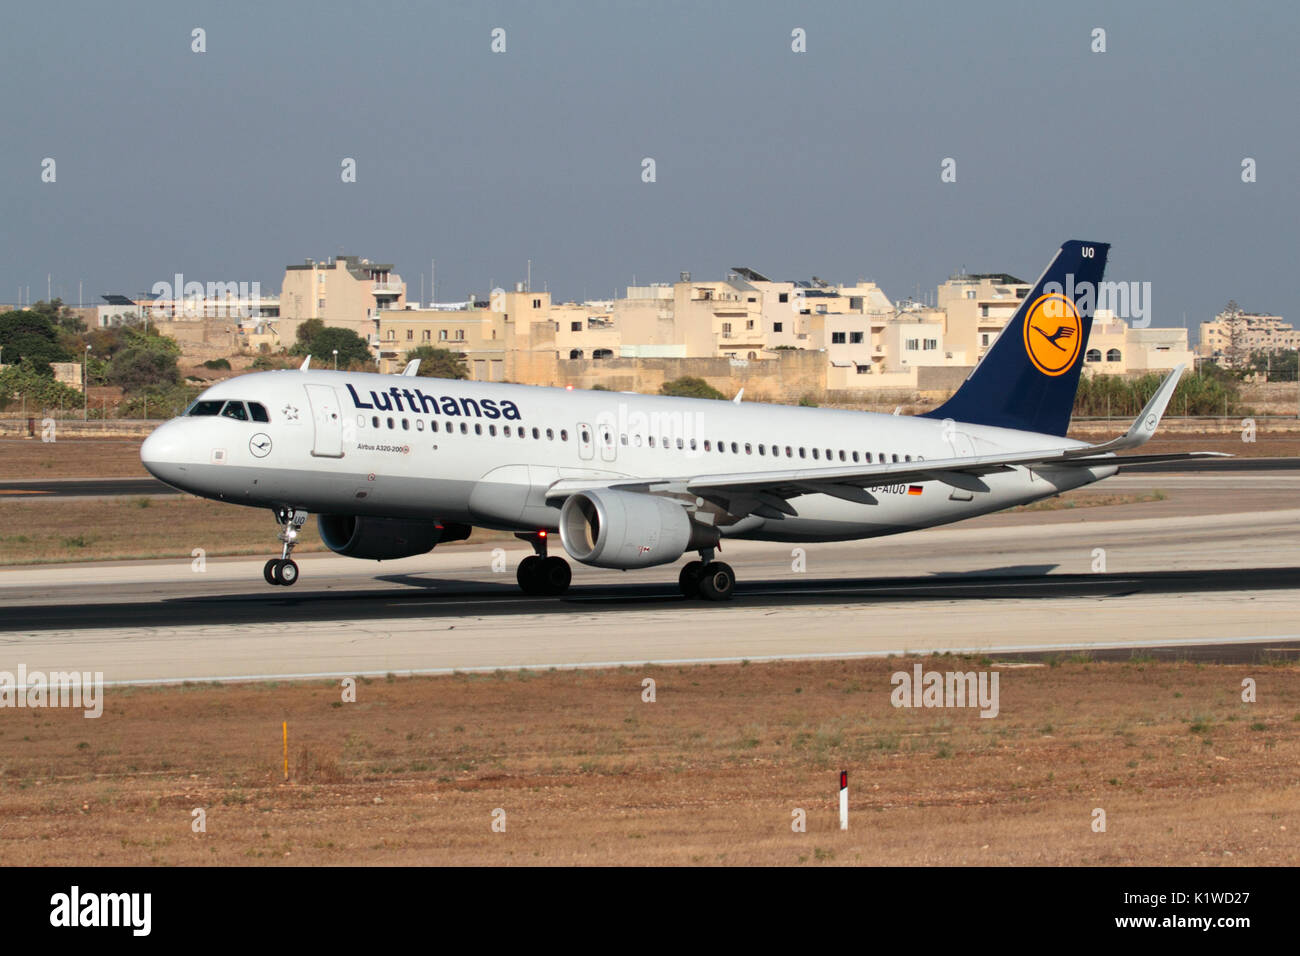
844 799
286 750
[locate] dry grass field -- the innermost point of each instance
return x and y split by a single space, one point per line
711 772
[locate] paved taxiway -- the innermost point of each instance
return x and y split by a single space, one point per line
1217 561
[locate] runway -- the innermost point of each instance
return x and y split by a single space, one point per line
1215 563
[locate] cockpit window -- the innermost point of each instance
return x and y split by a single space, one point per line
235 410
205 408
258 411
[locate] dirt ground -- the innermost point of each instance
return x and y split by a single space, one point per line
583 771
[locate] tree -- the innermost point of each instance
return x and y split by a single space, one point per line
23 381
309 330
690 387
321 341
439 363
136 368
59 316
27 335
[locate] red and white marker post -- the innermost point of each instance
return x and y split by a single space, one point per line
844 799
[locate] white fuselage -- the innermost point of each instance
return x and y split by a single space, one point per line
486 453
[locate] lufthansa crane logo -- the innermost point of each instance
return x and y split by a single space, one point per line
1053 334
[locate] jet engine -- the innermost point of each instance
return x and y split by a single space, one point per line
384 539
626 529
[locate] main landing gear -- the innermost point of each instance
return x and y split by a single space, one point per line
707 579
539 574
283 570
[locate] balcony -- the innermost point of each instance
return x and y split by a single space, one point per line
387 288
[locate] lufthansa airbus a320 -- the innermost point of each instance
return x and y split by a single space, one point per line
393 465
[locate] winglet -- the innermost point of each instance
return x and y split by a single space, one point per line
412 368
306 364
1148 420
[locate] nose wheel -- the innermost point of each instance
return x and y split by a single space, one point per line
283 570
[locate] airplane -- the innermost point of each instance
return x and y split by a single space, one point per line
393 465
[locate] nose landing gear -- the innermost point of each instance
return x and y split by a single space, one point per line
284 570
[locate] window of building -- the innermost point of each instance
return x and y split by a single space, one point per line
575 326
442 335
1112 355
837 338
1094 355
749 324
778 326
537 303
783 297
575 353
912 345
855 338
930 344
425 335
602 354
320 304
726 328
984 311
970 293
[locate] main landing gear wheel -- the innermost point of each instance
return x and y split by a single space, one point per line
541 576
282 570
689 578
717 582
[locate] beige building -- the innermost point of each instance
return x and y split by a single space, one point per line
976 307
1233 335
1115 348
347 292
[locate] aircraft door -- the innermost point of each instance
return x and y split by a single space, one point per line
607 442
327 418
586 442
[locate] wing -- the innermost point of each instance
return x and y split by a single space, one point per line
768 493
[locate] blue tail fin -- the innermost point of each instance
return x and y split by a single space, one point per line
1028 378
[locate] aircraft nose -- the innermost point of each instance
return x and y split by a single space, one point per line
162 452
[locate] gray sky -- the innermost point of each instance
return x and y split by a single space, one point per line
225 165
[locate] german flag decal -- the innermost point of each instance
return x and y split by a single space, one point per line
913 489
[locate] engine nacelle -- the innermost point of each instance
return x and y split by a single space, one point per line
385 539
627 529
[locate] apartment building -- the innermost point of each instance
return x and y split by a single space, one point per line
1233 335
345 291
